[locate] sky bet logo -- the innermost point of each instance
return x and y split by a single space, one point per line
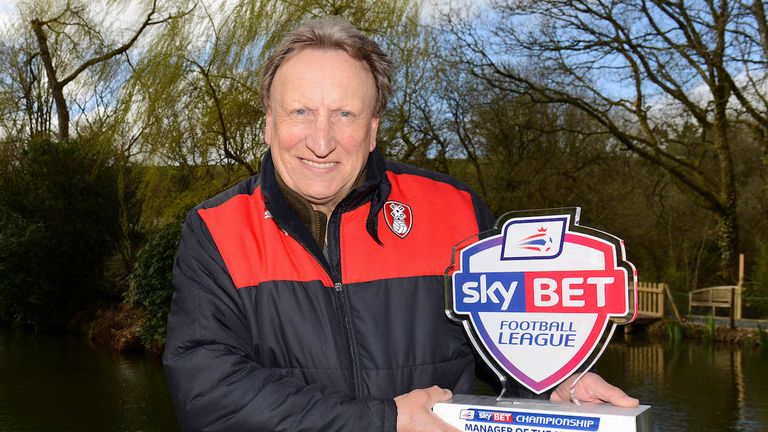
539 294
498 293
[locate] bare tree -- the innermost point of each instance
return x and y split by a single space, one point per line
64 24
669 80
25 100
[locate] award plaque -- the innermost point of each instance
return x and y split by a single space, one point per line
540 297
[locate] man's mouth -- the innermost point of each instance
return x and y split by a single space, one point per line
321 165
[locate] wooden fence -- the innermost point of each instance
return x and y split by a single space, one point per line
650 299
715 297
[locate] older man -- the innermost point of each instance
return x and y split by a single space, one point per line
310 297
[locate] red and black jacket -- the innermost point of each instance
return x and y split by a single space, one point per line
267 334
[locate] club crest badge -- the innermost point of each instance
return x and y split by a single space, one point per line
537 295
399 218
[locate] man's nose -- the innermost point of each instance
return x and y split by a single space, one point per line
322 141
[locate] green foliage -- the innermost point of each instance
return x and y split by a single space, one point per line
710 328
184 121
756 288
179 117
151 286
762 337
58 226
674 332
539 156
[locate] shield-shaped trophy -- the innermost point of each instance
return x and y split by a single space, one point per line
540 297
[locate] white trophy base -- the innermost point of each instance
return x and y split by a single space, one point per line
486 414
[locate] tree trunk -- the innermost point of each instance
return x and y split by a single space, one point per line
728 236
57 88
728 232
728 242
62 112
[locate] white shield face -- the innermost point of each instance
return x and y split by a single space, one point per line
538 297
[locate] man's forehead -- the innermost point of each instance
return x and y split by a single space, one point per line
316 51
315 69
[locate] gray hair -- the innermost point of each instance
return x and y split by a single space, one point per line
332 33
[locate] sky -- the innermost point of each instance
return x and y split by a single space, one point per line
7 11
118 18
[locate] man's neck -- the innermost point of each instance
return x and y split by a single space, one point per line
315 218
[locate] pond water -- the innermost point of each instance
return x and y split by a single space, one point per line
62 383
693 386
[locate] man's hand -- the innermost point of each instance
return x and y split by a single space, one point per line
414 410
592 388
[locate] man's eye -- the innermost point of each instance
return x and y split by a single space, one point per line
300 112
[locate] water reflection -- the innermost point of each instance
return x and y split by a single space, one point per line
693 386
63 384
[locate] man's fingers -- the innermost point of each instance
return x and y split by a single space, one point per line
600 391
593 388
437 394
414 411
616 396
557 395
440 395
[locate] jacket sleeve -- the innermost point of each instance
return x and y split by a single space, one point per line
485 218
214 378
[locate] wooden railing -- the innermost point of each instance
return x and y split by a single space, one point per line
712 297
728 296
650 299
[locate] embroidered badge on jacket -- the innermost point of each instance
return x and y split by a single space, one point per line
399 218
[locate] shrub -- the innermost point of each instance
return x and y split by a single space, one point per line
710 328
674 332
59 222
151 287
756 286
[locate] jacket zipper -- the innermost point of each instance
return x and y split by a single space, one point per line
349 336
334 260
344 316
334 271
346 324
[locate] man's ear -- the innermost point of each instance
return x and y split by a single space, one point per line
374 131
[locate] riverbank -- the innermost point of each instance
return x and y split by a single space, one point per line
715 330
118 329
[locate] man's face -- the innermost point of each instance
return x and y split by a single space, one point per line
320 125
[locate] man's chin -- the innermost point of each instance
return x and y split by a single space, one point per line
323 196
321 202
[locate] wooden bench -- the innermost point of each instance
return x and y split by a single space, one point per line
712 297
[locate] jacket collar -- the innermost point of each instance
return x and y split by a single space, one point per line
375 189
